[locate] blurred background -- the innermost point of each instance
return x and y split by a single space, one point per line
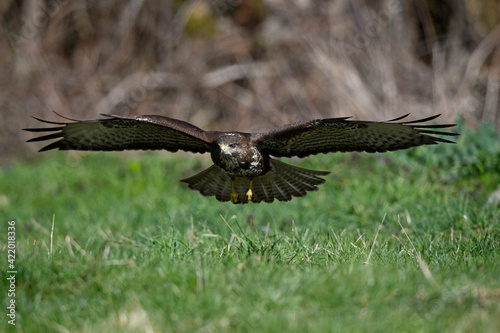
246 65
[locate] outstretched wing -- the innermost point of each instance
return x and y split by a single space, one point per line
342 135
120 133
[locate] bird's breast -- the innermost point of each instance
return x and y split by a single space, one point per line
244 162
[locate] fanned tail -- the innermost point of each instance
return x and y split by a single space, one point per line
282 182
211 182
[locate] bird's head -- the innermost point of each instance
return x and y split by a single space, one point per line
228 148
229 151
229 144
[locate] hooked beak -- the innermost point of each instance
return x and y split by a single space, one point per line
223 149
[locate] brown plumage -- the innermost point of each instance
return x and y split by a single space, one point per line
243 170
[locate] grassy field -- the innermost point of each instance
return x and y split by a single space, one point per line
403 241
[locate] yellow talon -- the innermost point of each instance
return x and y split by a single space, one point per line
234 194
234 197
249 193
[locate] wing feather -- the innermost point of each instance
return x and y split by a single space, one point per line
121 133
341 135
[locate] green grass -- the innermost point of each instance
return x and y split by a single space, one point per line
134 250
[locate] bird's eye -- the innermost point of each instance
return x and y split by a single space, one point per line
232 145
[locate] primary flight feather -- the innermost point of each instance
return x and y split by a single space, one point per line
243 170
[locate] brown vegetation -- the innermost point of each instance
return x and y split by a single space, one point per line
246 65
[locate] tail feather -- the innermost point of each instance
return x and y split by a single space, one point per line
282 182
281 189
211 182
285 181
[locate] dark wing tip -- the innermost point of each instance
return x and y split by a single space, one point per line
43 129
54 145
46 137
427 129
418 120
57 132
398 118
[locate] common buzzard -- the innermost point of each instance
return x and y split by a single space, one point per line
243 170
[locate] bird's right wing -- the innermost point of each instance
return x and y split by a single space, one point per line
121 133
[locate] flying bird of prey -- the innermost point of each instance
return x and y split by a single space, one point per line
243 169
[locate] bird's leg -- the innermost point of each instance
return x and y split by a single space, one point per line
234 194
249 192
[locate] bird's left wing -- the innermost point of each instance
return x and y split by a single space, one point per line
121 132
341 135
